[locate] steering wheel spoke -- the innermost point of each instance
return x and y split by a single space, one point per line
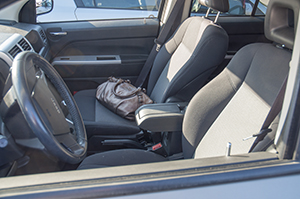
71 124
68 141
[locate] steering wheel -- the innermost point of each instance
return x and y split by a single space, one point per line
48 107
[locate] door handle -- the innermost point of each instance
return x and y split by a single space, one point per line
58 33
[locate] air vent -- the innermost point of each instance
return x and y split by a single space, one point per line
14 51
23 43
42 34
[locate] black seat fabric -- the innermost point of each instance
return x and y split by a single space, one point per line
184 63
120 157
180 69
99 120
235 104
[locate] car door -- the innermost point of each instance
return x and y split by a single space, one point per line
86 52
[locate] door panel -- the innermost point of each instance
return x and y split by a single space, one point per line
243 30
94 44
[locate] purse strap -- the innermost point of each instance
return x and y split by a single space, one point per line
134 92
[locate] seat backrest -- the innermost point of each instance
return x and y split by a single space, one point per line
235 104
187 59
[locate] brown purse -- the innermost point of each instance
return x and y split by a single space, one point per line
121 97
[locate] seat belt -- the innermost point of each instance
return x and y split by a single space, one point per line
159 41
274 111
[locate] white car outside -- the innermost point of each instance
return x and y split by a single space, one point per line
67 10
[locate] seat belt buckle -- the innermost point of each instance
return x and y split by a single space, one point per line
159 149
156 147
158 45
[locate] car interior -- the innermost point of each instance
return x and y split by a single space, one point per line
213 83
212 115
174 77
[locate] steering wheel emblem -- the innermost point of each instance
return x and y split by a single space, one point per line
55 105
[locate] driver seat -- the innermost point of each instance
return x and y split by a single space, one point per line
232 106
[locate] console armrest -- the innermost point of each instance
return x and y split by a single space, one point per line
165 117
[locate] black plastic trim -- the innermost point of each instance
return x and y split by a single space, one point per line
28 13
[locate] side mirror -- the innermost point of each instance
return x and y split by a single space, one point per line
43 6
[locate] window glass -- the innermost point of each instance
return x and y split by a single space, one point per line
236 7
77 10
126 4
88 3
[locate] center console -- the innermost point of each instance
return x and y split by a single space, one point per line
164 124
160 117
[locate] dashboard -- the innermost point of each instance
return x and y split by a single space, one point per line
18 37
15 38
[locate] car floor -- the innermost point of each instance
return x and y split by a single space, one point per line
41 162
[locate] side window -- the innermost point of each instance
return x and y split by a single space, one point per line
126 4
78 10
236 7
88 3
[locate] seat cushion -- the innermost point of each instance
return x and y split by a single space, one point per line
99 120
119 158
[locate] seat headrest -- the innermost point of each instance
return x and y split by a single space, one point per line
219 5
281 21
